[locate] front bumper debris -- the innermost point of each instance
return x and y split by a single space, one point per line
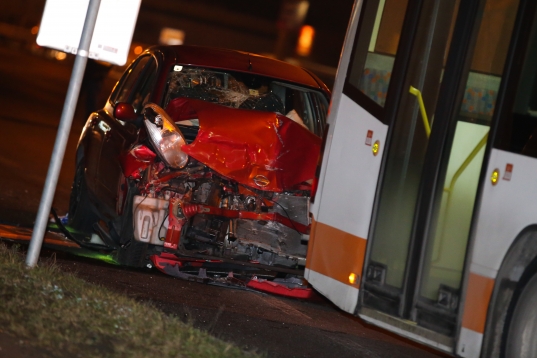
196 270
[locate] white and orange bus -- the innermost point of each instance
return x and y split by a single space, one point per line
425 217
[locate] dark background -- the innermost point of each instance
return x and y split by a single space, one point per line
254 26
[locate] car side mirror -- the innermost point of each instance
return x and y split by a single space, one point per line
125 112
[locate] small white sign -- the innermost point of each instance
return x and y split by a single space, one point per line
63 20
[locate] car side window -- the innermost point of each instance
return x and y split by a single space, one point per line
305 107
137 83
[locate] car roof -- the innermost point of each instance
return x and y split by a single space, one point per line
238 61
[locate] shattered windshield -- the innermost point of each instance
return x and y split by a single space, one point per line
246 91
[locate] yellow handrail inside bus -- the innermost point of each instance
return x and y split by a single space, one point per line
416 92
449 191
467 162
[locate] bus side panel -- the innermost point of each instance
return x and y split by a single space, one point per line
345 202
499 221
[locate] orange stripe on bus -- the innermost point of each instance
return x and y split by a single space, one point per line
477 302
335 253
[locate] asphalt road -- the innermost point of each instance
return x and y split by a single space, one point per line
32 92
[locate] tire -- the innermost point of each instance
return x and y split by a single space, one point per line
521 337
133 254
81 215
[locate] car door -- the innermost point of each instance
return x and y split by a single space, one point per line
135 88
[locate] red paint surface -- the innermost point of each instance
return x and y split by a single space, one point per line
278 289
136 160
242 144
124 112
160 261
175 224
190 210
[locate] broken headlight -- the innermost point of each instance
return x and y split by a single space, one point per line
165 136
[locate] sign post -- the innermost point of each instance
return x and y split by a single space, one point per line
112 48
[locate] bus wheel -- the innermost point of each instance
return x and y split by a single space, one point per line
521 340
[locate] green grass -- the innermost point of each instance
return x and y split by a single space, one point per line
68 317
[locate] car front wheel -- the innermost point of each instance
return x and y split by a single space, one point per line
81 215
131 252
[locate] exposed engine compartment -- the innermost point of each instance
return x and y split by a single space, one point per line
252 208
198 212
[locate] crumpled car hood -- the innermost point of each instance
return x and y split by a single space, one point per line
262 150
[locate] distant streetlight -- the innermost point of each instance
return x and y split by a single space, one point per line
305 40
60 56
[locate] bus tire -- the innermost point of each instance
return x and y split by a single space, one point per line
521 342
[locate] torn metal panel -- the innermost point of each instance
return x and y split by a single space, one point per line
246 145
136 161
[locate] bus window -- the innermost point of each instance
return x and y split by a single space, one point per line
525 112
445 253
518 132
371 70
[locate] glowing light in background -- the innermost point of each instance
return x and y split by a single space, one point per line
169 36
60 56
305 40
302 10
138 50
35 30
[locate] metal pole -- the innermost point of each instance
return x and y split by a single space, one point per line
63 134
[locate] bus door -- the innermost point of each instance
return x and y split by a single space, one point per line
408 128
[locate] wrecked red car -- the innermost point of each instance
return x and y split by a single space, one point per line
202 158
